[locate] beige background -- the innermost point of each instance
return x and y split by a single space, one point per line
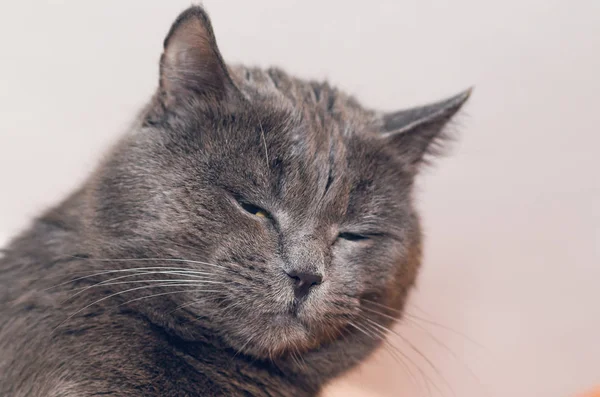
512 218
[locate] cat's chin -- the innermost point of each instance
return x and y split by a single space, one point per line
286 334
291 329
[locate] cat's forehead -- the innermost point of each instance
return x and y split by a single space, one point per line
317 102
315 161
314 120
293 143
308 133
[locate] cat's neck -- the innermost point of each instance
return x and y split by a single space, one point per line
302 374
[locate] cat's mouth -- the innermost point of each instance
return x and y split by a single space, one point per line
300 329
291 318
286 320
294 308
280 327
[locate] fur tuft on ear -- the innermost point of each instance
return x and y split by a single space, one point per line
191 64
416 132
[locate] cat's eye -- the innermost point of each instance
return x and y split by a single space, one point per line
352 236
254 210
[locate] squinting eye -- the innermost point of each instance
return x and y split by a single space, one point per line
254 210
352 236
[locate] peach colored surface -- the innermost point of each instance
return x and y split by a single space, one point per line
512 219
593 393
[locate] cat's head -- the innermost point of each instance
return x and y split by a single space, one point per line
293 202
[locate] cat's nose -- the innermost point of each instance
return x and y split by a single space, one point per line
303 281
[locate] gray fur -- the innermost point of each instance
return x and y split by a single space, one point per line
214 143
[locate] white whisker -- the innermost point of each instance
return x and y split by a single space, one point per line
168 293
434 339
397 354
110 281
413 348
141 270
408 314
153 259
447 349
116 294
156 281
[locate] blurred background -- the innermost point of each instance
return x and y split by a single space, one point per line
509 300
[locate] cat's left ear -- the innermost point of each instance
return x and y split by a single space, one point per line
191 64
418 131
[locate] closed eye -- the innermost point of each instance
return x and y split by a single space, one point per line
352 236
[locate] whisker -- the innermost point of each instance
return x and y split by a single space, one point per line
188 304
153 259
361 330
110 281
397 354
298 356
262 133
417 351
138 269
116 294
447 349
241 349
167 293
294 359
158 281
191 247
406 313
451 330
381 336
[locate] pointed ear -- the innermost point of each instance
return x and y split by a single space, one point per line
418 131
191 64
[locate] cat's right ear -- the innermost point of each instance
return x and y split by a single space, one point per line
191 65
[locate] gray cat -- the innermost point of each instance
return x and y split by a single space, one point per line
254 234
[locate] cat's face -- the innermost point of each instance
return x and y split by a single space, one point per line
297 209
